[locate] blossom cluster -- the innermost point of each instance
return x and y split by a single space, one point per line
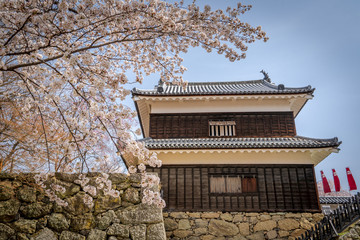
102 183
50 191
153 197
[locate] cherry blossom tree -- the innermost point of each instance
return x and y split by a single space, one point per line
64 66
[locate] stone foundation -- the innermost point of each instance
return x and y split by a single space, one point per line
27 213
237 225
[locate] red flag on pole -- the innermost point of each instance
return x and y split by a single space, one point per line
351 180
325 183
336 181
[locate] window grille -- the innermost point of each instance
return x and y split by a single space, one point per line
222 128
232 184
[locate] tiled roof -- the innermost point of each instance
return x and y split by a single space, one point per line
334 200
239 143
221 88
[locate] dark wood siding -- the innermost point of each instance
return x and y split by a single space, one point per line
192 125
278 188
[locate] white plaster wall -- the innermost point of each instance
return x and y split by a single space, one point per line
208 106
240 157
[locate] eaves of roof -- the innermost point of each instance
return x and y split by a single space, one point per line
334 200
240 143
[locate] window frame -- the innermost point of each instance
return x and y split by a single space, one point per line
242 176
228 124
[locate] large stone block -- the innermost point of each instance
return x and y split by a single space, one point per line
6 192
288 224
193 238
104 220
170 224
207 237
297 233
66 177
283 233
305 224
256 236
76 204
252 214
9 210
222 228
210 215
138 232
293 215
226 217
244 228
194 215
182 233
21 236
131 195
66 235
70 189
264 217
178 215
252 220
118 178
156 232
238 237
318 217
276 217
201 223
96 234
238 218
5 231
25 226
105 203
135 178
119 230
184 224
306 215
36 210
58 222
141 213
271 234
266 225
200 231
26 194
45 234
82 222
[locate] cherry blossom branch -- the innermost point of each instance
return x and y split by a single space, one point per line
18 30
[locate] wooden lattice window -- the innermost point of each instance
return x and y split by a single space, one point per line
222 128
232 184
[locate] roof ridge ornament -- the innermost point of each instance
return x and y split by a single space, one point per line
266 76
160 86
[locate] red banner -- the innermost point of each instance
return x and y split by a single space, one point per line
351 180
325 183
336 181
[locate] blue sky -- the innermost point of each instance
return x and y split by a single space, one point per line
311 43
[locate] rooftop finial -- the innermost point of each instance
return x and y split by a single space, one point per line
266 76
160 86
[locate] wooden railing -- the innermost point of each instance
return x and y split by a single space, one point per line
336 222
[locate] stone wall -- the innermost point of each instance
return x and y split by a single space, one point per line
352 232
27 213
241 226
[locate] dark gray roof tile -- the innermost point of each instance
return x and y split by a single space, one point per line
239 143
334 200
222 88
